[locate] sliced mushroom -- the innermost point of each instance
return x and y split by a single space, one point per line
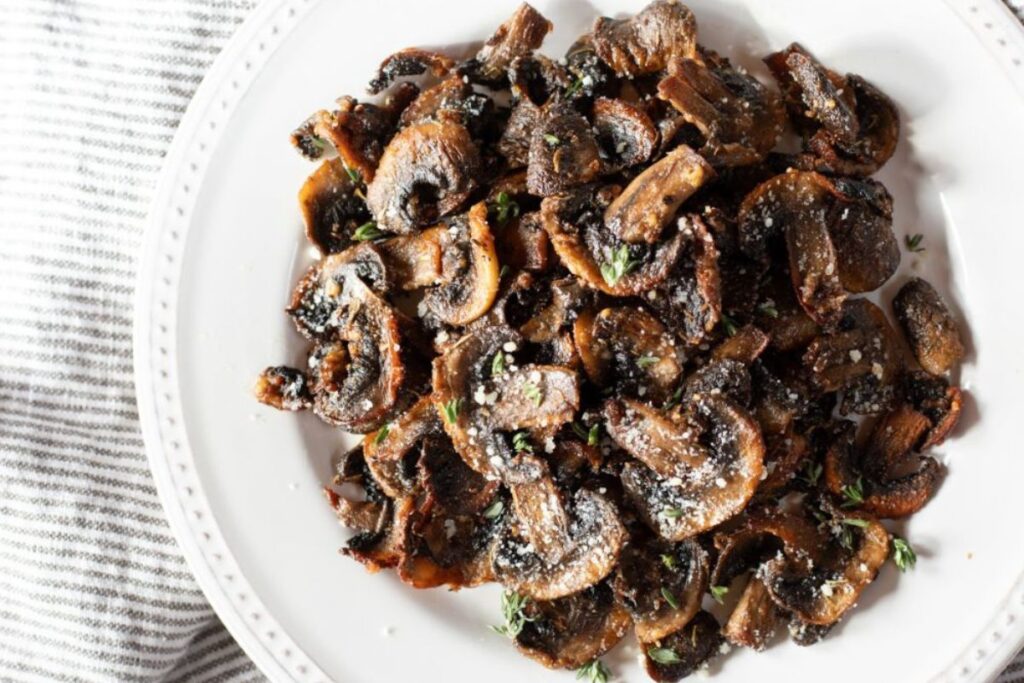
572 631
427 171
415 261
283 388
359 131
784 393
649 41
782 316
690 299
596 537
669 447
754 619
931 330
937 400
330 207
849 126
677 656
518 36
762 534
524 244
744 347
411 61
383 548
452 486
567 298
786 453
741 120
625 133
537 78
706 490
892 480
469 266
629 348
861 357
563 152
359 378
535 397
662 585
650 201
523 121
592 253
727 378
540 508
388 450
838 234
367 511
822 594
317 306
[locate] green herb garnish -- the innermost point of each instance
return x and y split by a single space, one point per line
669 561
672 513
381 434
812 472
366 231
504 207
768 309
552 139
853 493
493 510
646 361
729 325
902 554
589 436
512 606
574 88
451 410
669 598
593 672
719 593
663 655
532 392
914 242
498 364
674 399
859 523
521 443
620 265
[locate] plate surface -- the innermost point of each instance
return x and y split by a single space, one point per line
241 483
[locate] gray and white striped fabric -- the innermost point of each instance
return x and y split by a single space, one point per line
92 585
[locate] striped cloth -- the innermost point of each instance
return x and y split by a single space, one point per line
92 586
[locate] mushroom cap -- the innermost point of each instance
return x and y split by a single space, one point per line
625 133
692 645
933 334
649 40
330 208
518 36
563 152
754 619
387 449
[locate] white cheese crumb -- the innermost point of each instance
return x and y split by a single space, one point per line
549 445
652 295
720 482
441 337
768 222
509 346
855 355
826 590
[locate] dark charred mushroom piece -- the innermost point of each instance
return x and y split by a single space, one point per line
563 152
469 266
649 570
754 619
427 171
567 298
331 209
786 454
647 42
691 297
411 61
727 378
861 357
367 512
744 347
318 306
571 631
822 594
683 652
596 537
626 135
935 399
894 481
537 78
628 348
358 131
384 547
650 201
849 126
523 121
575 225
387 451
719 476
933 334
283 388
452 486
838 235
518 36
540 508
358 378
741 120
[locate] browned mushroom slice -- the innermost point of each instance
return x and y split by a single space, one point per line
650 201
523 243
523 121
414 261
411 61
388 449
849 126
427 171
838 234
745 346
537 78
740 119
762 534
891 481
786 454
544 325
358 379
662 585
626 134
754 619
518 36
366 514
563 152
690 299
592 253
669 447
569 632
713 488
861 357
649 41
932 332
596 537
283 388
316 306
804 634
937 400
630 349
385 547
359 131
330 208
535 397
470 268
452 486
677 656
727 378
822 594
782 317
540 509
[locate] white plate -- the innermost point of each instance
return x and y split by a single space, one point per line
241 483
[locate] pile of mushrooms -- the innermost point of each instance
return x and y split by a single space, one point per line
608 347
